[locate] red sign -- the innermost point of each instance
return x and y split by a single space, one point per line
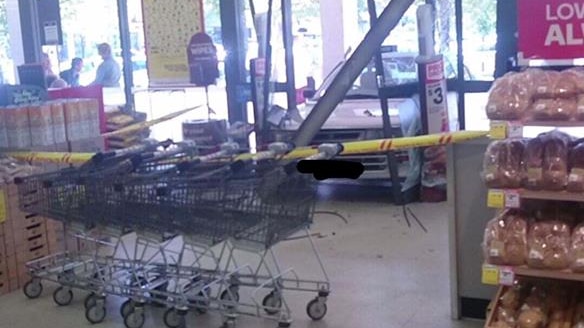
435 71
551 29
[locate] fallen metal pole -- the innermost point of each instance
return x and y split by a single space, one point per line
343 82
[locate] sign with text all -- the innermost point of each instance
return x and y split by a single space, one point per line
551 29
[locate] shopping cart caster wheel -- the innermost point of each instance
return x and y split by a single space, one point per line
316 309
62 296
134 319
90 300
272 303
126 308
174 319
33 289
95 313
230 295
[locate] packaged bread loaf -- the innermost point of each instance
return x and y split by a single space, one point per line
533 158
576 164
560 109
552 84
509 98
580 107
533 313
555 161
503 164
577 249
576 76
549 245
505 239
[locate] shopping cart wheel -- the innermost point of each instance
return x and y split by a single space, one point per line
134 319
95 313
90 300
62 296
174 319
230 294
33 289
316 309
272 303
126 308
201 305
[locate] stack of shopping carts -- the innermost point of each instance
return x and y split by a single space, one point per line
182 229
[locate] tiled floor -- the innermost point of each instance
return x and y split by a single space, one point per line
383 274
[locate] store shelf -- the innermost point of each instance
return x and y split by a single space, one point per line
511 198
505 275
509 129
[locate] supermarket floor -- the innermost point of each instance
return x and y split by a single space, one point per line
383 273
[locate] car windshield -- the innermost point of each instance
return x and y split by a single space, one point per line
399 68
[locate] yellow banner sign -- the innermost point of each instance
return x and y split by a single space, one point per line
168 27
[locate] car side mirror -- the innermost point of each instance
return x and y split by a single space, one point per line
308 93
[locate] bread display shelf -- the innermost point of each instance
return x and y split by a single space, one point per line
511 198
514 129
505 275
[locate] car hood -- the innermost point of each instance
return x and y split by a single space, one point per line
361 114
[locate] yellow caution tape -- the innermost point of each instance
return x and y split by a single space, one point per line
51 157
3 207
144 125
349 148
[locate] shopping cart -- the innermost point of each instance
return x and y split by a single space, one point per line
217 209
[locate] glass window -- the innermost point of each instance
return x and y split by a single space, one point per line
7 74
479 38
86 24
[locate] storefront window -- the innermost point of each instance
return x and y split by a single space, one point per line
6 63
86 24
479 38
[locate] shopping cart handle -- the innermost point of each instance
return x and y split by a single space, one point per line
166 143
100 157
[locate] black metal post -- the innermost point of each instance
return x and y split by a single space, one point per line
126 44
268 72
234 42
387 129
289 53
460 64
29 25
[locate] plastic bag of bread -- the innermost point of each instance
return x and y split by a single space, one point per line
549 245
505 239
509 98
555 161
511 299
580 107
532 318
576 75
533 158
507 316
576 164
577 249
560 109
552 84
503 164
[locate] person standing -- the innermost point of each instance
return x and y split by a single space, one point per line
50 77
71 76
108 73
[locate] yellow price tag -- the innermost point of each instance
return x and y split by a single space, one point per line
490 275
3 209
496 198
498 130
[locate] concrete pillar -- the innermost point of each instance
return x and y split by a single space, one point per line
338 36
